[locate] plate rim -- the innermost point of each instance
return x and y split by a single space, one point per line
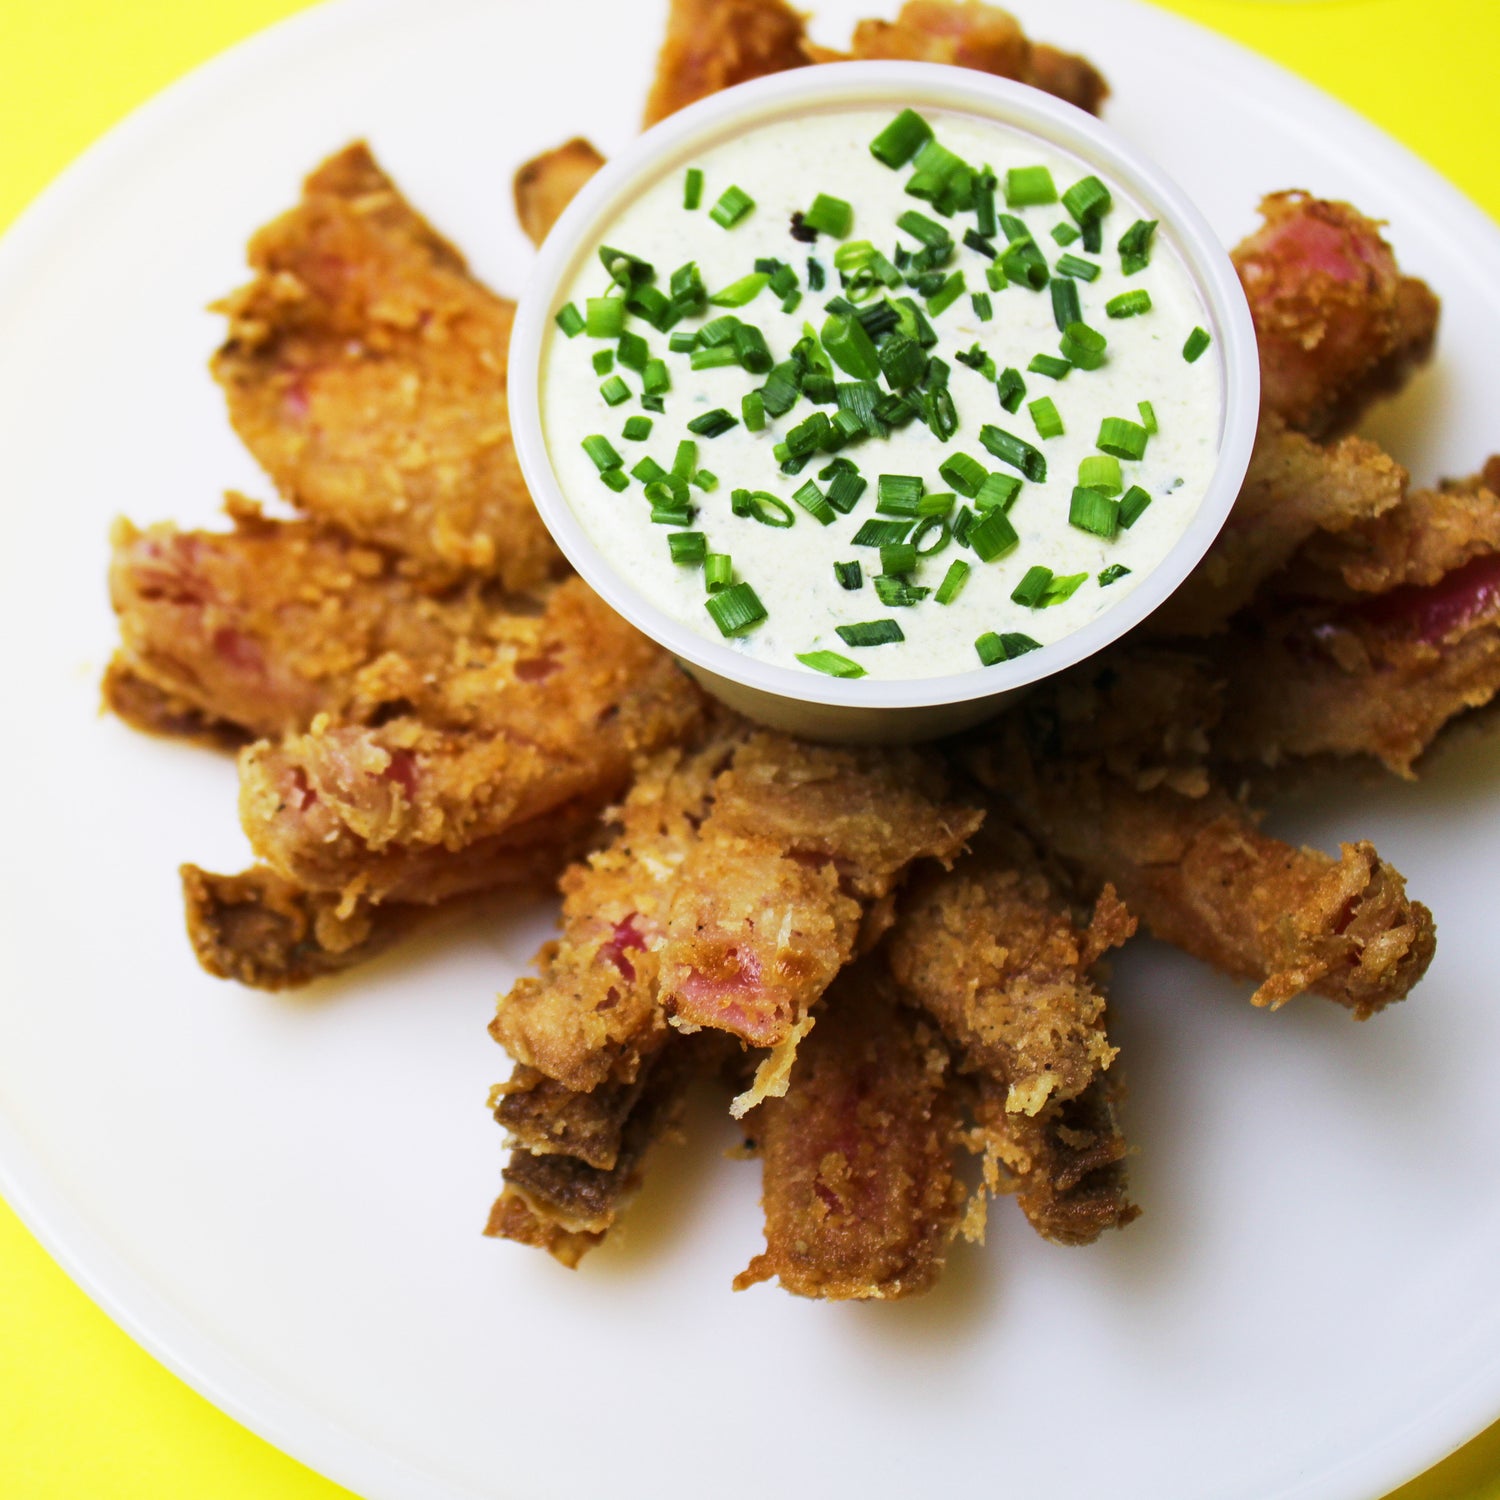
125 1294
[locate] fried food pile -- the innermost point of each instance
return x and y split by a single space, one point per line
892 959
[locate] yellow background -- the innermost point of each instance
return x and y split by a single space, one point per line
83 1411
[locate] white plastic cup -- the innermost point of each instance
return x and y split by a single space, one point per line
866 710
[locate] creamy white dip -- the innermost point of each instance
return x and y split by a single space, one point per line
783 166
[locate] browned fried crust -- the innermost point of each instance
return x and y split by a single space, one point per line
1065 1165
545 185
156 710
990 951
365 370
545 1117
267 933
860 1195
1200 875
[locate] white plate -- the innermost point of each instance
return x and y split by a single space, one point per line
282 1198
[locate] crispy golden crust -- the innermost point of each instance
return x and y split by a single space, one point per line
365 370
547 1118
860 1195
800 838
1065 1165
548 183
970 34
541 724
156 710
1294 489
265 932
267 626
1200 875
1338 325
991 952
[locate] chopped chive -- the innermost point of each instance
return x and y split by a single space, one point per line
687 546
1064 233
712 423
624 269
706 480
810 498
750 346
995 277
1087 200
718 571
831 663
1012 389
716 357
817 277
615 479
984 309
898 557
1135 246
881 533
953 581
791 302
1122 438
738 293
964 473
672 515
1028 187
604 361
1028 593
1044 413
1060 590
870 633
652 403
991 649
692 188
734 203
1132 503
718 331
963 524
992 535
897 592
1093 512
1197 341
669 490
997 491
632 351
735 609
571 321
1014 451
605 318
941 414
760 505
1148 416
831 216
845 489
1017 644
1092 235
648 471
979 243
1066 307
601 450
946 295
1078 268
850 348
1112 574
812 433
753 411
685 460
930 526
652 305
1049 365
901 139
1102 474
1025 264
849 574
898 494
654 378
902 360
636 429
1083 346
682 343
1129 304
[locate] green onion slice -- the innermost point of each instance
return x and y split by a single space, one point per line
692 188
953 581
601 450
1077 267
1016 452
992 535
712 423
964 473
1112 574
1129 304
636 429
687 546
1102 474
733 205
881 533
1012 389
849 574
738 293
1197 341
810 498
1028 593
718 571
571 321
760 505
1027 187
605 317
1122 438
1132 503
901 139
870 633
735 609
831 663
1095 513
1044 413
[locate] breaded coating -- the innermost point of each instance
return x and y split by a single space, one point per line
561 1203
591 1015
1293 490
365 370
1065 1165
1338 324
714 44
1379 677
1201 876
528 736
548 183
971 34
271 624
990 951
545 1117
860 1195
1431 533
156 710
799 840
269 934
